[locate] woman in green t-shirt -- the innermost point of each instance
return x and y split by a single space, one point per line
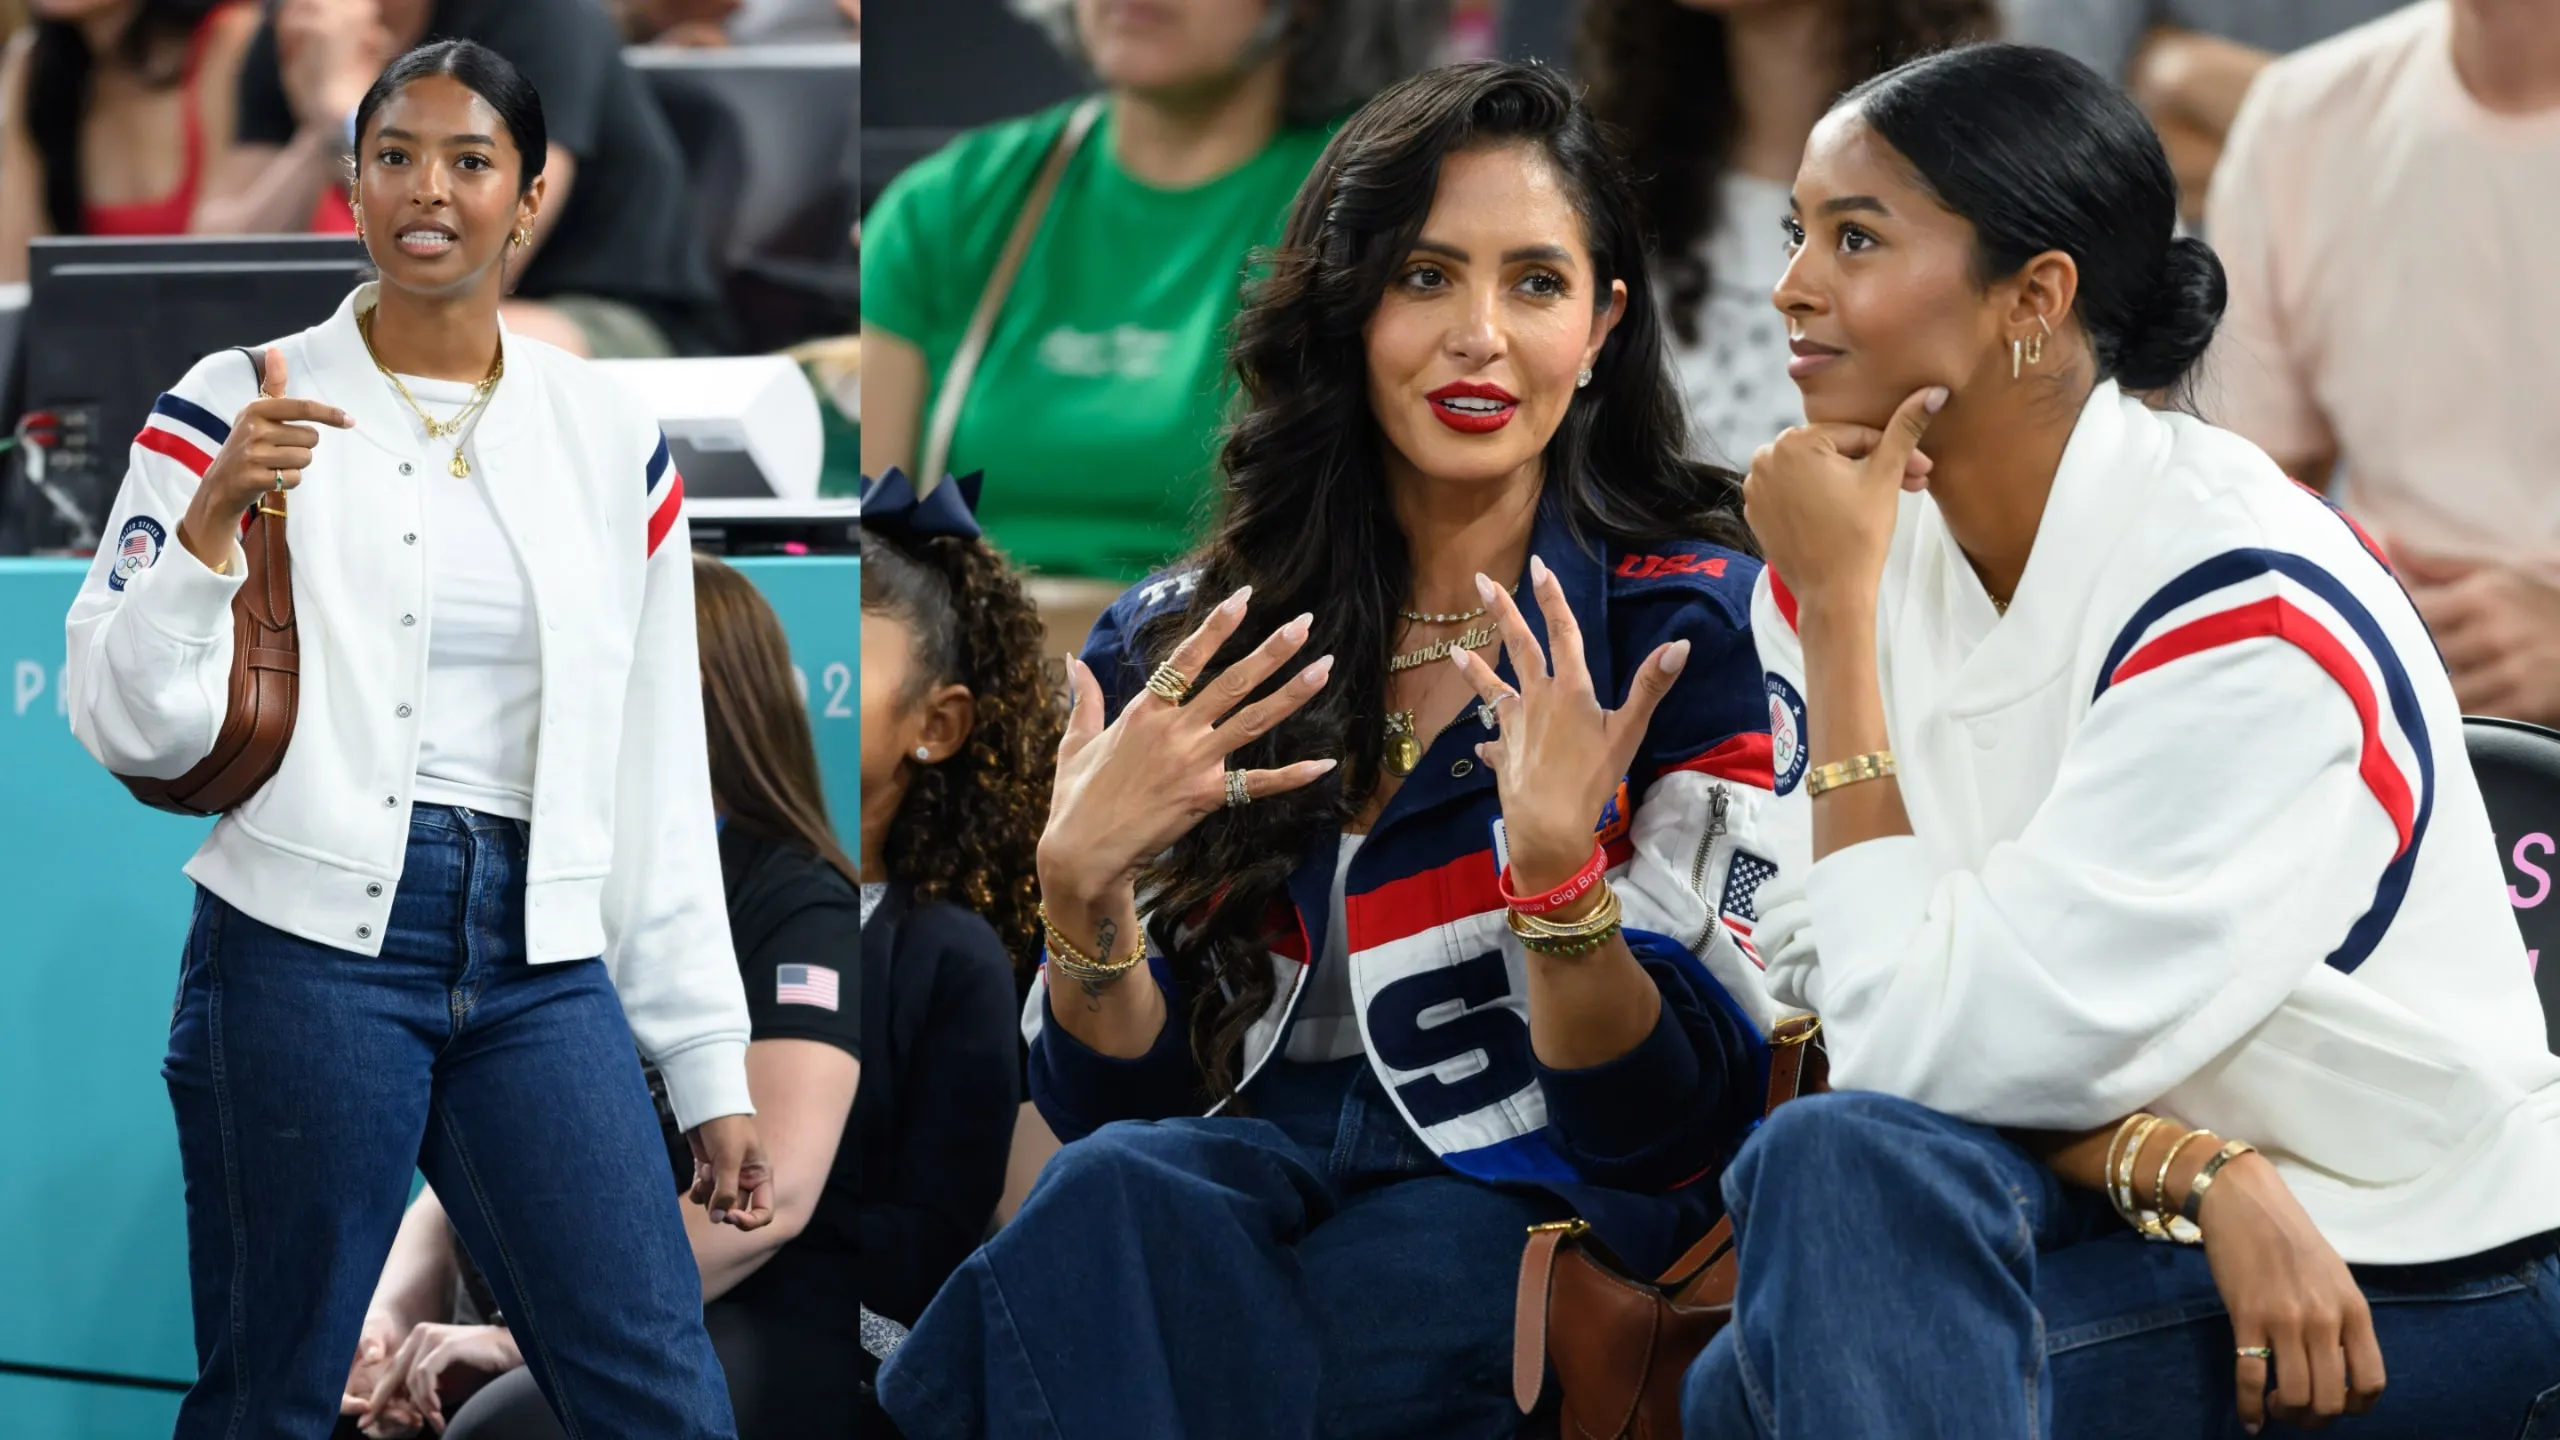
1095 407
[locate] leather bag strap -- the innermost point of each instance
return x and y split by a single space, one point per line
982 321
1529 1337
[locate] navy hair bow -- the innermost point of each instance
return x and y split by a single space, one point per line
891 506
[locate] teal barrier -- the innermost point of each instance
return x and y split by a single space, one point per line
93 913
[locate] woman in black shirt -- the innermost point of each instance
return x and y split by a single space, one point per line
959 740
782 1303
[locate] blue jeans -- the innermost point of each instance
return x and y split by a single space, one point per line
1909 1275
1314 1269
309 1082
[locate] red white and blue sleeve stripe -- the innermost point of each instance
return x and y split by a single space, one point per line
2255 594
184 431
666 494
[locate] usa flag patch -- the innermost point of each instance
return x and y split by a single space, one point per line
1742 884
804 985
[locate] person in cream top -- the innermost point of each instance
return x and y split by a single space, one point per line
483 886
2129 853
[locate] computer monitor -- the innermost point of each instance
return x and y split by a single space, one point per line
111 323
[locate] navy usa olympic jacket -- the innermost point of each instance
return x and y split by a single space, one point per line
1628 1143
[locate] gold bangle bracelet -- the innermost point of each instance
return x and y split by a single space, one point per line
2193 1210
1874 765
2160 1182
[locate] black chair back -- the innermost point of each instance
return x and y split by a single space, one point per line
2519 770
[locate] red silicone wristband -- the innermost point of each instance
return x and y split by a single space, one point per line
1565 894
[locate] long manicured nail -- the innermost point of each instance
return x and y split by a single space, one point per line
1486 588
1459 658
1675 657
1234 604
1296 630
1325 766
1314 674
1538 568
1937 400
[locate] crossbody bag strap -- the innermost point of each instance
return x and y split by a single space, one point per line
982 321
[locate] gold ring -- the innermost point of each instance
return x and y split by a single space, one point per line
2258 1352
1169 685
1237 793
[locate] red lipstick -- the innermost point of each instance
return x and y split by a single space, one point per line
1472 407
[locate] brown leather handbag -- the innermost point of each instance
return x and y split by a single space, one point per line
1621 1344
266 677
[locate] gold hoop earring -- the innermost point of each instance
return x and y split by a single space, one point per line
524 236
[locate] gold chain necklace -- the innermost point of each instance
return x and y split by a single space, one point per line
459 425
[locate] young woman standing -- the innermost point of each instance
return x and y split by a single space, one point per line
487 865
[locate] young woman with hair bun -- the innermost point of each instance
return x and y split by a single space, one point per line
2129 852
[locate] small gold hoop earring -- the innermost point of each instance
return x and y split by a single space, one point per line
524 236
2035 350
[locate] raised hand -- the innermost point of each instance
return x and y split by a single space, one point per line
1558 756
1822 499
1127 790
271 442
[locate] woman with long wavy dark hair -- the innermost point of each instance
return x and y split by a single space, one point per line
1435 942
111 111
1713 100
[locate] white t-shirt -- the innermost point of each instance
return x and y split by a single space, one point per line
1734 380
1327 1026
2391 299
482 711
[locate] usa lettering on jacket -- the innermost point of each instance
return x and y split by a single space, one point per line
1439 983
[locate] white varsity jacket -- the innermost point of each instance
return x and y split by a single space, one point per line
2194 829
623 862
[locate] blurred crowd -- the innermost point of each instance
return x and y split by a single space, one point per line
2383 308
232 117
1047 303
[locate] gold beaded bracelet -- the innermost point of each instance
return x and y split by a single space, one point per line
1084 969
1574 937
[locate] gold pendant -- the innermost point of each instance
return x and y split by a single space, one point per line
460 467
1404 748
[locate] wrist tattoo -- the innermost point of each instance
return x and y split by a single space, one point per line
1106 933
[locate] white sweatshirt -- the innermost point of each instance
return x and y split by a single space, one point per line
623 861
2194 829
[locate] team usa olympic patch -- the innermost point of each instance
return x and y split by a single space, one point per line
1786 733
137 548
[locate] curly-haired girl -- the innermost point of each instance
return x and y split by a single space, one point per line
1713 100
959 738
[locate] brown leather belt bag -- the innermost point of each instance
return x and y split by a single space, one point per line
266 676
1621 1344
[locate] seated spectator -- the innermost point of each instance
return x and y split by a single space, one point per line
1282 746
780 1302
616 268
1713 101
2393 317
2187 62
1096 405
2121 796
112 115
959 741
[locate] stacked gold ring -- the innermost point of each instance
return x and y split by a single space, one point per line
1169 684
1238 795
